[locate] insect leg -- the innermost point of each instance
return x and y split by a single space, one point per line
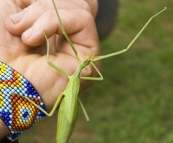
83 109
128 47
64 33
58 101
94 78
49 62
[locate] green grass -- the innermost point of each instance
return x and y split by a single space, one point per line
134 103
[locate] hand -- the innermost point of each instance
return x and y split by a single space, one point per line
23 47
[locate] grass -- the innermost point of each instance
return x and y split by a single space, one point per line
134 102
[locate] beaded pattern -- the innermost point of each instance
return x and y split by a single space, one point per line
17 112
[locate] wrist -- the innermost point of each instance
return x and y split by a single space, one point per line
4 131
17 113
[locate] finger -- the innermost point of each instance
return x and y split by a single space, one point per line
82 31
23 3
21 21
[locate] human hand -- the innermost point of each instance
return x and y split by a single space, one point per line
27 54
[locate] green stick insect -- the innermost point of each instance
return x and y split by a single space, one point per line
68 101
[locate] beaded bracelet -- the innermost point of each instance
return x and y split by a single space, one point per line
16 112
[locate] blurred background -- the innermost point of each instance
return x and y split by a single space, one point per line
134 103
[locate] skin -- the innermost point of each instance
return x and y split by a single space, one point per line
23 47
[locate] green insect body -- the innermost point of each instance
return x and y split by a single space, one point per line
69 109
68 100
64 127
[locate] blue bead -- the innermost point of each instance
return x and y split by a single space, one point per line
25 114
8 124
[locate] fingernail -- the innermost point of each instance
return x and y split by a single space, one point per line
15 18
28 33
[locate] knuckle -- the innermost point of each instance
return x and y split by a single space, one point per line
87 15
83 4
42 5
88 71
50 15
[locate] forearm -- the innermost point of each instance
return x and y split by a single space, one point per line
4 131
94 6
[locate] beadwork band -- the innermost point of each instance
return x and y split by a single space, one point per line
16 112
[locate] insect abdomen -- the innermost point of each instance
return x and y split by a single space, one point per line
64 127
